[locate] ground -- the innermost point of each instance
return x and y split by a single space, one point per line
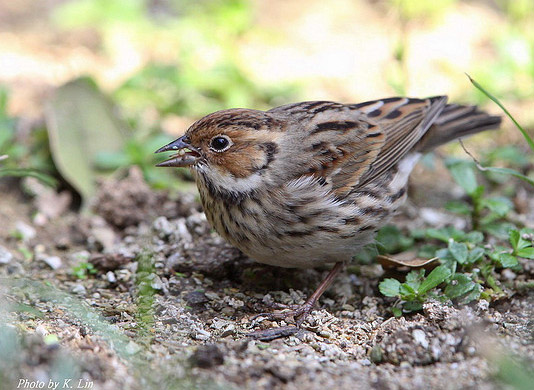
194 331
138 292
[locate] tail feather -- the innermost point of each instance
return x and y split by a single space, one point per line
456 121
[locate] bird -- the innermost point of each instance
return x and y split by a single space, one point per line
308 184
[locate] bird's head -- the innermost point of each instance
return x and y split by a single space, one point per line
231 148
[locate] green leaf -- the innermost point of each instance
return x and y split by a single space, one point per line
499 229
514 238
529 140
527 253
391 240
407 292
458 207
427 251
396 312
110 161
475 255
412 306
446 233
436 277
507 171
464 174
444 254
26 172
507 260
389 287
474 237
473 295
499 205
460 285
459 251
82 122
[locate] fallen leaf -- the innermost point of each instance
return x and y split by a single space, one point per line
406 259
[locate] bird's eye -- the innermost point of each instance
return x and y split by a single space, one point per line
220 143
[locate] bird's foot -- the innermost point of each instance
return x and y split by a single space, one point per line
296 313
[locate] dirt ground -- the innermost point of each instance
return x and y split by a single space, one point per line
64 323
205 296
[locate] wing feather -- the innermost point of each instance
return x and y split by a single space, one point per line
349 145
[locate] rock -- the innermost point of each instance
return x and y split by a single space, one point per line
48 202
53 262
174 260
110 261
419 337
25 231
110 277
127 201
5 255
163 227
195 298
182 232
200 334
207 356
102 234
79 289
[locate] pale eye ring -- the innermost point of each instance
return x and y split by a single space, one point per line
220 143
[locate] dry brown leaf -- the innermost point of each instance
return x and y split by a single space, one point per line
406 259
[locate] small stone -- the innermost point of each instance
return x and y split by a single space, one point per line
173 260
26 231
41 330
156 283
200 334
419 337
104 235
5 255
471 351
196 298
182 232
132 348
53 262
110 277
508 274
78 289
207 356
230 330
162 226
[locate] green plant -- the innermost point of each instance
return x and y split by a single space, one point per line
13 153
470 262
469 257
83 270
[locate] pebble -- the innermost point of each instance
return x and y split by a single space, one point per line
53 262
78 289
41 330
182 231
207 356
110 277
26 231
173 260
419 337
104 235
156 283
162 226
200 334
508 274
5 255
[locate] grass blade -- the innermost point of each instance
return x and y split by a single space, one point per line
497 102
26 172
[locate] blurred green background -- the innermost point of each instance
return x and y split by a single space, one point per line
154 66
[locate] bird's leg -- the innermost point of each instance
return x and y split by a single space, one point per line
300 312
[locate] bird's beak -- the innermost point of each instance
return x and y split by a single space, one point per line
186 154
